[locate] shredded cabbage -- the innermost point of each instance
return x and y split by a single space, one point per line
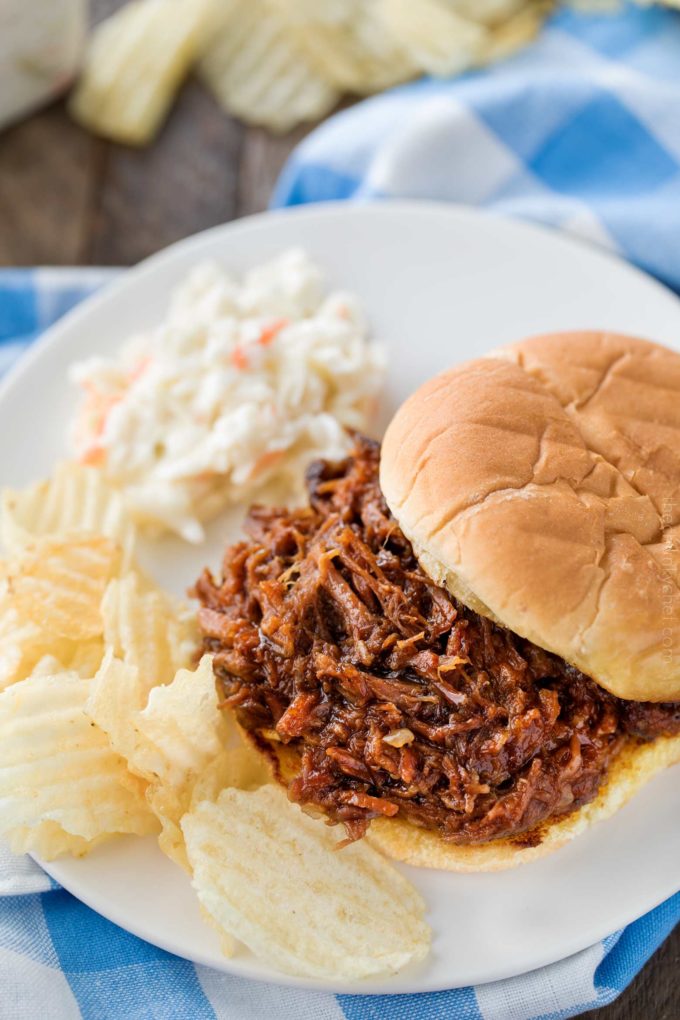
243 381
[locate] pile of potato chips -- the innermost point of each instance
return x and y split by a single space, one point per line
278 63
281 62
108 727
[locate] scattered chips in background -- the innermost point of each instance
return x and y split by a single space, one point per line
259 70
349 43
437 38
517 31
136 61
279 63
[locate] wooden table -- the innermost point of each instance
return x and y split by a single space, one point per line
67 198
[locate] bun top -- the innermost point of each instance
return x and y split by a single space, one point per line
541 485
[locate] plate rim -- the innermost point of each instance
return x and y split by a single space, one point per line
373 986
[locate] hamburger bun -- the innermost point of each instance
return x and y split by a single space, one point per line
541 486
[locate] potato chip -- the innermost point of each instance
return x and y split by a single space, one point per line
436 37
60 584
115 699
228 944
259 72
268 875
177 733
170 743
184 724
48 840
135 62
25 649
187 733
49 665
149 637
445 37
57 767
517 31
238 765
22 645
85 658
487 12
147 629
348 43
74 499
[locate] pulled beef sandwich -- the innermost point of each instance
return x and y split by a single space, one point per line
467 646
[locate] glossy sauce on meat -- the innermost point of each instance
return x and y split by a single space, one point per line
399 699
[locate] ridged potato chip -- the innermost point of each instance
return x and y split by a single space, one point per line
135 62
184 725
268 875
59 584
26 649
149 637
187 734
48 840
85 658
178 735
348 43
75 499
258 71
487 12
148 629
517 31
436 37
238 765
57 767
23 645
445 37
115 699
49 665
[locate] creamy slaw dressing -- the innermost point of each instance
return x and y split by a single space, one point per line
243 380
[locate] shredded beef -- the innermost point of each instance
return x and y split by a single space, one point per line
399 699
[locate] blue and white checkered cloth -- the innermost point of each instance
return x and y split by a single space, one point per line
581 132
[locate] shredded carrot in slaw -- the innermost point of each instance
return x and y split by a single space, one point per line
239 358
140 368
269 332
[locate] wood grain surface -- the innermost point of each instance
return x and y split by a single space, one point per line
67 198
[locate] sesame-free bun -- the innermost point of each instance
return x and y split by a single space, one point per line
541 486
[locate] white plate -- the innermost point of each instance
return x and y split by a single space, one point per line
440 284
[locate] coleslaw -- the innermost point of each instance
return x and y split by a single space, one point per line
243 380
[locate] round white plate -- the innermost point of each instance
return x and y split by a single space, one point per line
440 285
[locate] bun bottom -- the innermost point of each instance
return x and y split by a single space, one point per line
634 766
